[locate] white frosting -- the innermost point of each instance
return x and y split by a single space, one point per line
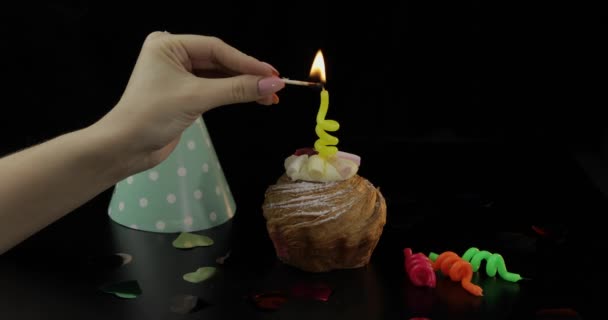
319 169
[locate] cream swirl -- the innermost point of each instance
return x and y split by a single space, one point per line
313 167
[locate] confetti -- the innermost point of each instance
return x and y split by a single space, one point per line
185 303
273 300
109 261
200 275
539 231
187 240
314 291
125 289
126 258
222 260
270 301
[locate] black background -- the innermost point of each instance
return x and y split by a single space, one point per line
515 82
403 71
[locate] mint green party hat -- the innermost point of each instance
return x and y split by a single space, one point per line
186 192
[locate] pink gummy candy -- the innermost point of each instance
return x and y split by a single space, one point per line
419 269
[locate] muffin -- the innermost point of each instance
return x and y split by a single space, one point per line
321 215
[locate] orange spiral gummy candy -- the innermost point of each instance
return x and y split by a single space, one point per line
457 269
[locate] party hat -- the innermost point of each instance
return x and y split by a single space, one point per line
186 192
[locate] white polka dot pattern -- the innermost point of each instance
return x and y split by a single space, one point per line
186 192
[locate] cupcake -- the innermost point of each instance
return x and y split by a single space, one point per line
321 215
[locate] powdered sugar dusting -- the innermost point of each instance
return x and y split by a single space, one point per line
336 212
313 205
310 200
303 186
296 204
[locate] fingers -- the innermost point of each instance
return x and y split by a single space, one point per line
269 100
204 50
157 34
211 93
266 101
242 78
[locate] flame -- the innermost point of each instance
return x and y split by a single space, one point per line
317 71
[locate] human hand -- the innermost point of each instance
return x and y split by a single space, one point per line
174 81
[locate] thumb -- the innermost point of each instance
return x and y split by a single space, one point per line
237 89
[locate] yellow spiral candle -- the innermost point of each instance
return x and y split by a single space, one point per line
325 145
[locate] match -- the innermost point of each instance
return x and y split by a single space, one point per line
302 83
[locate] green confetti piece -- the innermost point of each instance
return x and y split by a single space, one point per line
494 263
125 295
200 275
187 240
124 289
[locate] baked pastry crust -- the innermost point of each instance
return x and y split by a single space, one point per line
322 226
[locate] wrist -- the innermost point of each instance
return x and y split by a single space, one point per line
112 149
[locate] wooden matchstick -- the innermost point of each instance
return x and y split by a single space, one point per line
302 83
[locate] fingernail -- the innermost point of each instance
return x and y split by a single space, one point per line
275 98
274 70
270 85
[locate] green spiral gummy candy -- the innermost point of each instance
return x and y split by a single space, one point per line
494 263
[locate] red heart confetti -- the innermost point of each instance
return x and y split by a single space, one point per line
270 301
314 291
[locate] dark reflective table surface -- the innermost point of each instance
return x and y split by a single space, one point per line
448 198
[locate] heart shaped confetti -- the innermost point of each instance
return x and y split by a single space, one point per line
222 260
200 275
187 240
312 291
185 303
108 261
269 301
125 289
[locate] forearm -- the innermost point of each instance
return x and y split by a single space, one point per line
41 184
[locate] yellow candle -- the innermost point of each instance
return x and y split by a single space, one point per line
325 145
